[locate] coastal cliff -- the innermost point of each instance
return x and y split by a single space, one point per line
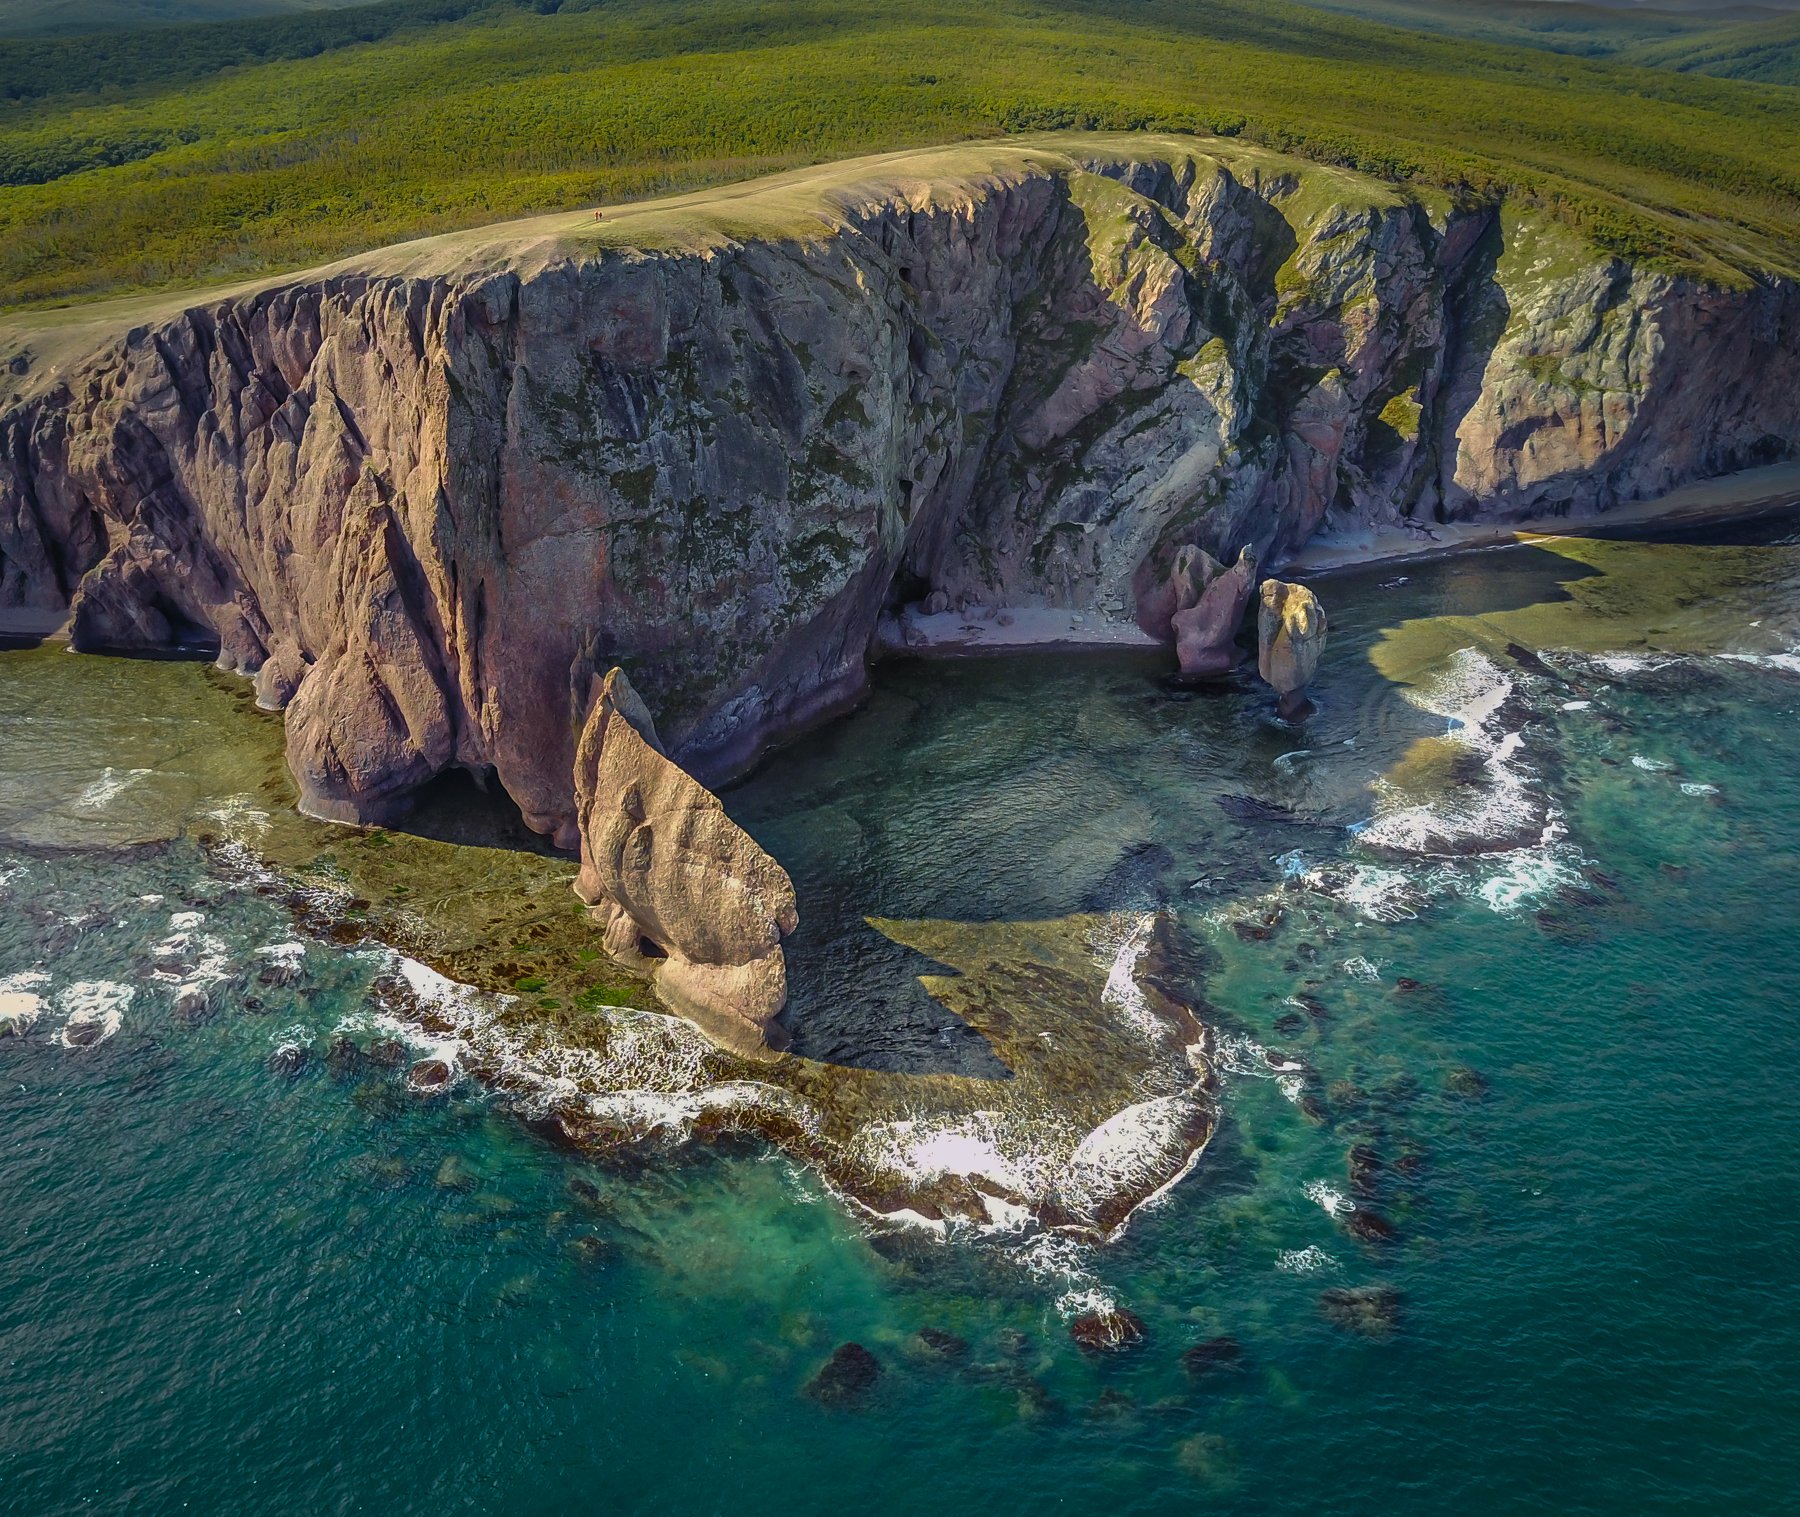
426 495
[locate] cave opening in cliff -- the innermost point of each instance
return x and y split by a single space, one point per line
468 808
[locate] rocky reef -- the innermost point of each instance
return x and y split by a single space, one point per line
424 495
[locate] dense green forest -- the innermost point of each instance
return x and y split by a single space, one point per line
155 157
20 18
1752 41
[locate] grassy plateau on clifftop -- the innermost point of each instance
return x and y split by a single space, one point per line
171 155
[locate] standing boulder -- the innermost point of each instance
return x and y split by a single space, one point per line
1209 608
1290 636
683 893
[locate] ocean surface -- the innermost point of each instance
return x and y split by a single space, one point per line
1502 971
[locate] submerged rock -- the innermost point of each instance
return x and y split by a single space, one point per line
290 1060
1107 1330
1220 1355
934 1343
846 1378
387 1053
1290 636
682 891
428 1076
343 1057
1373 1311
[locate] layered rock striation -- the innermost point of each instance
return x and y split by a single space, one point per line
423 496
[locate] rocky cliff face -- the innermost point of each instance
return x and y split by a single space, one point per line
426 505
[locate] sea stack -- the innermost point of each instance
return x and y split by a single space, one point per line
1290 636
682 891
1209 608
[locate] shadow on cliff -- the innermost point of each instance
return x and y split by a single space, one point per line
459 808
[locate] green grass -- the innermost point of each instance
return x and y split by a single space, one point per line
178 177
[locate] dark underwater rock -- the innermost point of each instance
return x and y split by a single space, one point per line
343 1057
387 1053
1107 1331
1372 1311
846 1378
428 1076
1368 1226
934 1343
1220 1355
290 1060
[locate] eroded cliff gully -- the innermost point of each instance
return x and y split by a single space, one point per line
424 510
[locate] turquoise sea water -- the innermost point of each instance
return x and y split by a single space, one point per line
227 1286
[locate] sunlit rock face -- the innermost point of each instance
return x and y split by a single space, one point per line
680 889
1290 640
413 493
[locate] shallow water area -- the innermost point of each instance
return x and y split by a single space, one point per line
1498 1208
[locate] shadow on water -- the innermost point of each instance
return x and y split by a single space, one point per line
855 999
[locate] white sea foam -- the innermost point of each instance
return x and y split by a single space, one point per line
1786 663
1360 968
92 1004
1468 694
1118 945
25 979
1524 878
1376 893
1333 1201
1142 1145
1061 1260
1577 705
19 1012
1625 665
108 788
1305 1261
241 819
1236 1053
1694 787
1649 765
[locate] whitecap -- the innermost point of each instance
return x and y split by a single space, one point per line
1649 765
1694 787
95 1011
1523 879
1305 1261
1333 1201
1362 969
19 1012
1503 812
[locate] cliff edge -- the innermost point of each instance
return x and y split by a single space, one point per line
427 494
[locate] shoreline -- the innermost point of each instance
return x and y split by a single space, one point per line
1725 498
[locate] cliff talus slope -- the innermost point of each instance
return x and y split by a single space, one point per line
426 495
